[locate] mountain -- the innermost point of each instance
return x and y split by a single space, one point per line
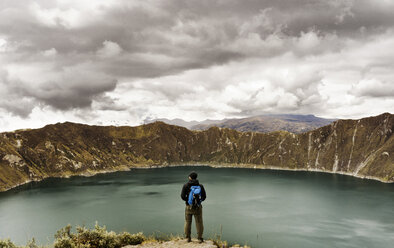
193 125
262 123
176 122
362 148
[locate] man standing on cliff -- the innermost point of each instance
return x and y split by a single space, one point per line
193 206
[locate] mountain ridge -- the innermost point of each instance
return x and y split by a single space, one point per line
260 123
362 148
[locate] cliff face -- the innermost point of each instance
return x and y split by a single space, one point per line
362 148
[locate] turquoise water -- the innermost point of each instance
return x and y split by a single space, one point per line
262 208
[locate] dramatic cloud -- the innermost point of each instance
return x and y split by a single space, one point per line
119 62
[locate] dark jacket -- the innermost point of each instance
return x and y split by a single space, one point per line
186 190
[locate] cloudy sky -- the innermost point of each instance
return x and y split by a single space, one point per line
121 62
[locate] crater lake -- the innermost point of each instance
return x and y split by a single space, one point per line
261 208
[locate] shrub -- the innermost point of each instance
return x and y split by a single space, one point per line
98 237
32 244
6 244
64 242
64 232
126 238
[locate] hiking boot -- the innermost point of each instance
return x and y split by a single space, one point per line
200 240
189 240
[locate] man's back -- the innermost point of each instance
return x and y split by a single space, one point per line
191 210
186 190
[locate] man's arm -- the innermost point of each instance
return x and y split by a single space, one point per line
183 193
203 193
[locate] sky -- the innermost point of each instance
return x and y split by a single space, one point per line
114 62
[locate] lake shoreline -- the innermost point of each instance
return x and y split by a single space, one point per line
90 173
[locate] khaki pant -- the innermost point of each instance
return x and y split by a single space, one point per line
189 211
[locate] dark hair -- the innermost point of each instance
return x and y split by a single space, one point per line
193 175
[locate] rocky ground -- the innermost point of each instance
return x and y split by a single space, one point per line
178 243
174 244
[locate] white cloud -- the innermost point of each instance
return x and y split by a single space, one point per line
56 17
373 88
288 102
308 40
3 44
109 49
70 14
50 52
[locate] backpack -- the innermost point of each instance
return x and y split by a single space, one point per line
194 196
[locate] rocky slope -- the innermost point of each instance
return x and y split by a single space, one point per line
362 148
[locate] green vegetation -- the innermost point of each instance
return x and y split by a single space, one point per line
8 244
99 237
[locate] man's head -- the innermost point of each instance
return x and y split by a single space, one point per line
193 175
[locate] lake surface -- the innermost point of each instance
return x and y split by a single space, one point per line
262 208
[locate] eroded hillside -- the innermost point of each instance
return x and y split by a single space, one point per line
362 148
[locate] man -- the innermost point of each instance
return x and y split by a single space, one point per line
191 210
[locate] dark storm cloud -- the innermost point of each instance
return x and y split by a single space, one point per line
86 47
65 98
70 91
193 30
11 99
